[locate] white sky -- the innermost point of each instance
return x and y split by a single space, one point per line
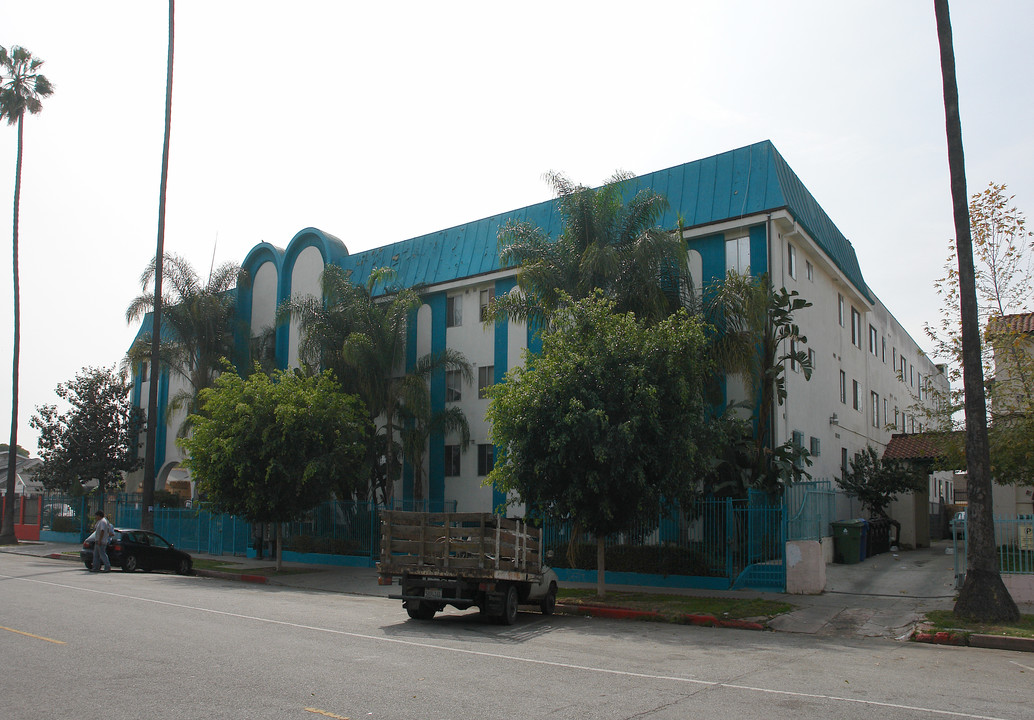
378 122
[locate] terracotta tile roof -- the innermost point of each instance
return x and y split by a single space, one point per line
1017 323
915 446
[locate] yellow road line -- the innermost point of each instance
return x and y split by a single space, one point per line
38 637
326 714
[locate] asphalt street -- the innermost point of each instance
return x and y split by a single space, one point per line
159 645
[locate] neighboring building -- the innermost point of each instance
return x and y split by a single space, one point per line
741 209
1012 338
25 468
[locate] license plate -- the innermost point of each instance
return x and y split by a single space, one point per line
434 593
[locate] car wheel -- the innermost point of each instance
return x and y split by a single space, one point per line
548 604
88 564
129 563
509 616
184 567
419 610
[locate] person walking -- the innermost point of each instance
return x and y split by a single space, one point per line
103 531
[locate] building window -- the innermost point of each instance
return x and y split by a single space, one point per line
883 343
453 311
143 372
840 309
874 344
810 270
856 328
815 448
811 358
857 395
884 411
487 298
486 459
895 418
791 260
843 387
843 460
737 255
452 460
453 386
875 410
794 365
486 378
798 444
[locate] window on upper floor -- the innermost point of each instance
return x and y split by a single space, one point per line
486 378
883 344
840 309
487 297
810 270
856 394
812 357
486 459
843 387
843 460
815 447
452 460
453 311
453 386
874 341
875 410
737 255
856 328
791 260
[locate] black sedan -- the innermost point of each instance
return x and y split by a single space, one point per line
143 549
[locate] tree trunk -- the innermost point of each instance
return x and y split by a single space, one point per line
150 446
7 536
984 596
601 590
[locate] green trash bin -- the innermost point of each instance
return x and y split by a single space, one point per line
847 541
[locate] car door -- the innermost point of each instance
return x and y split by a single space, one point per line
161 551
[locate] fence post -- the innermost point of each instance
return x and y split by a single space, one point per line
730 536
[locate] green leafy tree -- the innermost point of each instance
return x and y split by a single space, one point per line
606 243
271 448
877 482
22 89
983 596
199 319
96 438
757 337
609 421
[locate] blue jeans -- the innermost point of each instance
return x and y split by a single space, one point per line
100 554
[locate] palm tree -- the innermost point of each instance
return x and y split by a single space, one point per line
757 336
362 338
22 88
606 243
983 596
199 319
418 424
151 441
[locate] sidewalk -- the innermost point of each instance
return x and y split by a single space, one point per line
884 596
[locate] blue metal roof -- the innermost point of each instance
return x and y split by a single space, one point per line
747 181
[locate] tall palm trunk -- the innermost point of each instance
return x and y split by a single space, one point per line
146 514
7 536
983 596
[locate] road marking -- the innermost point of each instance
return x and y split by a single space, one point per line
325 713
529 661
1022 666
38 637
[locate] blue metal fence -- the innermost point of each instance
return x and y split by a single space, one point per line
1014 540
810 508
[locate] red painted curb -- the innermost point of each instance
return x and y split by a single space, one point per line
741 624
254 578
940 638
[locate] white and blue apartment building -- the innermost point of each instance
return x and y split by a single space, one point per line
741 209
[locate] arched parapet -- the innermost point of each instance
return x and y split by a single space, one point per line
331 250
263 260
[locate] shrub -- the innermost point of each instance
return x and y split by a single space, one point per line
654 560
66 525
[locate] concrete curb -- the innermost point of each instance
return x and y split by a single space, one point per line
615 613
991 642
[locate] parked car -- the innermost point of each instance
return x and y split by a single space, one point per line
143 549
958 525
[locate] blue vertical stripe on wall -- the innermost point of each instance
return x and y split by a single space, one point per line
163 427
758 250
137 390
436 450
411 333
502 354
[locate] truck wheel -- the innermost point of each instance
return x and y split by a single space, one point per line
509 616
548 604
419 610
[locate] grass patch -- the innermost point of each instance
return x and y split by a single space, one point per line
945 621
673 606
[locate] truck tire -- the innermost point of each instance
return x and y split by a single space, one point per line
548 604
419 610
509 616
